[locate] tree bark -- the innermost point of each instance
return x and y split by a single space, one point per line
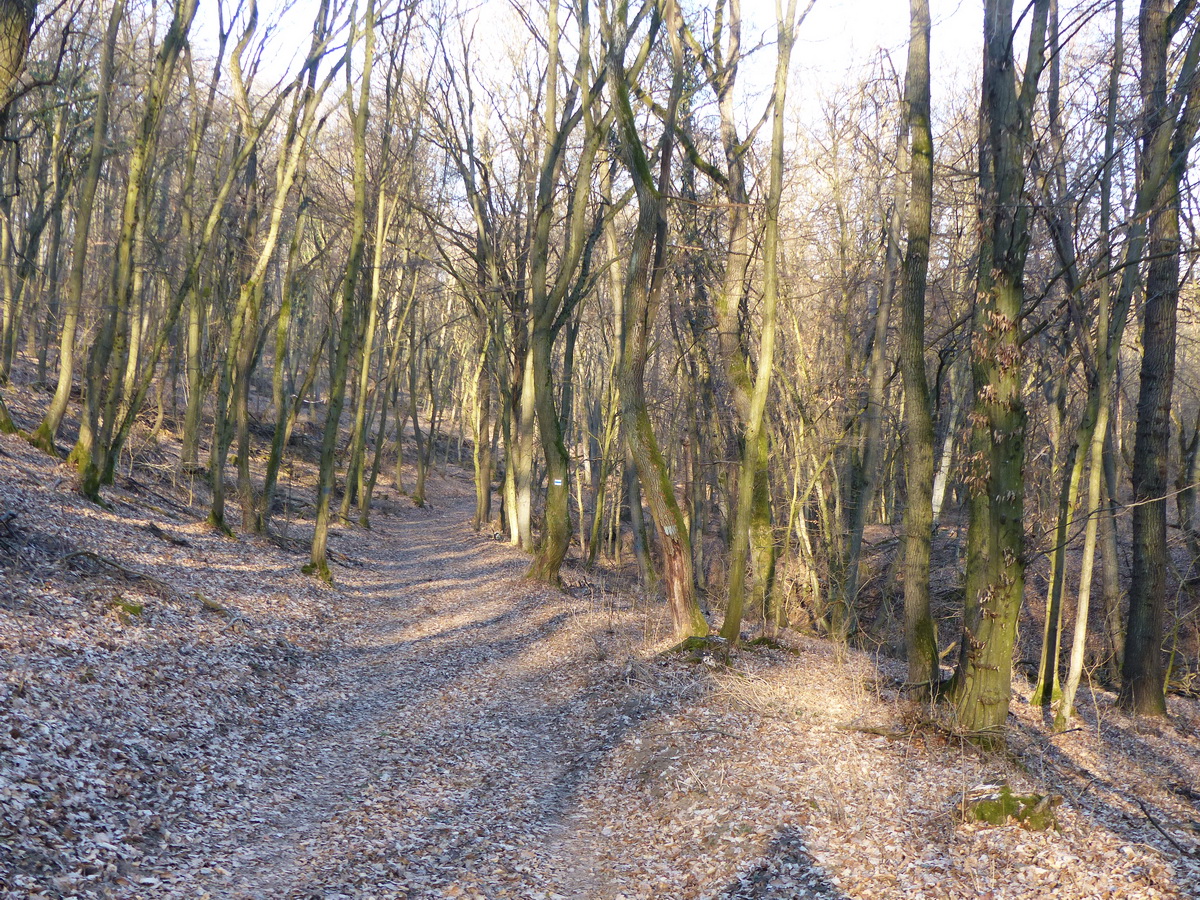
996 537
753 468
643 285
318 564
1168 135
45 434
920 633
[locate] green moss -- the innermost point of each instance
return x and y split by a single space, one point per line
1001 806
126 610
1046 694
217 523
6 423
769 643
318 570
43 440
995 810
695 643
132 609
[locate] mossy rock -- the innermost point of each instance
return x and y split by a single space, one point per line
126 610
769 643
999 804
697 649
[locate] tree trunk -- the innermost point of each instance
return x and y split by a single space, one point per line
16 19
1100 401
360 424
1114 629
46 433
996 537
318 565
751 511
481 432
920 632
522 454
1168 136
93 454
643 285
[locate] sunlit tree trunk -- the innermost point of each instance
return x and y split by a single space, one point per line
308 94
1067 468
521 456
93 454
384 214
481 431
1101 390
920 635
45 434
245 359
612 427
422 442
754 448
388 389
1169 126
16 20
1185 483
358 114
996 537
643 285
1114 626
279 403
553 298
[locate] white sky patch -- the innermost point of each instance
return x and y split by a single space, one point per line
839 35
839 43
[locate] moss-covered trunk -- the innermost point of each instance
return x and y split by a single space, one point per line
996 538
358 113
643 283
920 636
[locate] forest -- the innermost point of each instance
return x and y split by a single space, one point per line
378 366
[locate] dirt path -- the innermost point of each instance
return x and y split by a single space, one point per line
437 727
442 753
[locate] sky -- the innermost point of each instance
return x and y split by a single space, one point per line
838 36
842 33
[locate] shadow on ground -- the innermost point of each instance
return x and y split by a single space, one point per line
788 871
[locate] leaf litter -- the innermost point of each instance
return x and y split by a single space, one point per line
185 716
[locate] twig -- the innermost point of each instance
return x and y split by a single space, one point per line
1160 830
165 536
693 731
1051 735
113 564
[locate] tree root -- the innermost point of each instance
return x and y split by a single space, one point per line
237 621
131 574
166 536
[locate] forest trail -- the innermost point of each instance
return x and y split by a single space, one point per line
442 754
435 726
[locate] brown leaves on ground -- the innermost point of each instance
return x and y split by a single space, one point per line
183 715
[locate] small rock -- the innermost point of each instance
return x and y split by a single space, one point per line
998 804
